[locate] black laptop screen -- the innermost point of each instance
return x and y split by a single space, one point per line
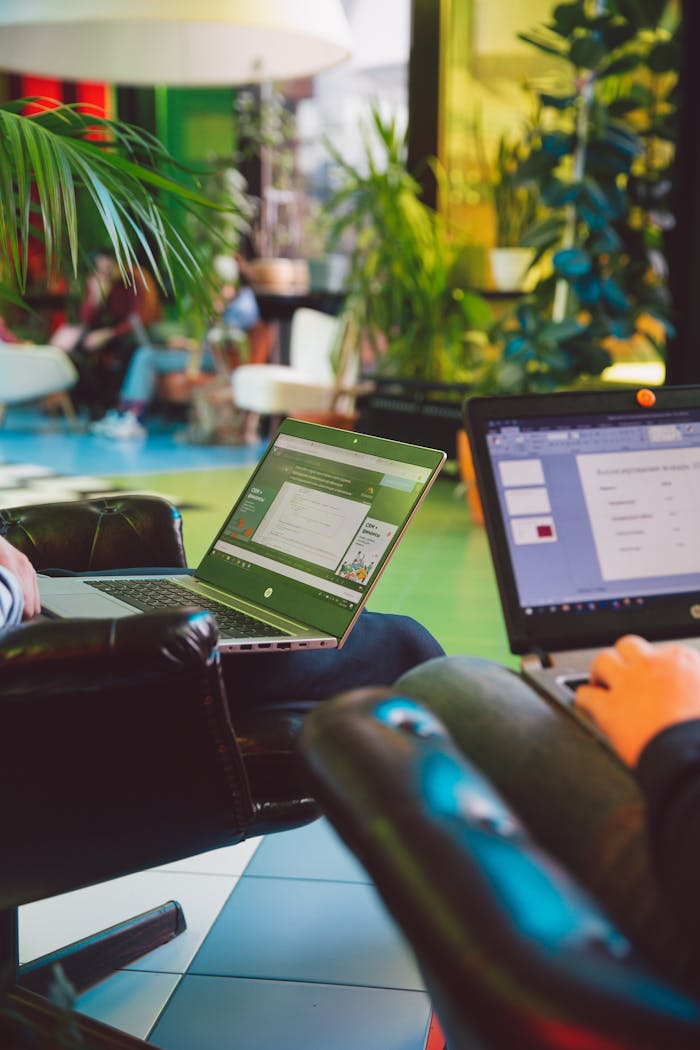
598 511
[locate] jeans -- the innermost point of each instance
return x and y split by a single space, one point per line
380 648
147 363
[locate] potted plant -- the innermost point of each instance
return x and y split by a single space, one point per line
598 156
504 263
516 207
67 170
422 329
595 158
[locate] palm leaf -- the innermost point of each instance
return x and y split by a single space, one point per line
51 160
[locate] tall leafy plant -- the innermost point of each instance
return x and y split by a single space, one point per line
59 161
409 300
603 191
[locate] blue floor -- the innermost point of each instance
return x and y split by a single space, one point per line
29 436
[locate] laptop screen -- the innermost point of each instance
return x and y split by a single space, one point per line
318 520
594 508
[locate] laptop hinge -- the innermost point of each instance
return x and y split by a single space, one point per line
543 658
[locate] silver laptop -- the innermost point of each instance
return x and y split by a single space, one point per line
298 554
592 503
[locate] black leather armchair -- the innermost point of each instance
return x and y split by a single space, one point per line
117 749
513 953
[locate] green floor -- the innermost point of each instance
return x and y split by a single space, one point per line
441 572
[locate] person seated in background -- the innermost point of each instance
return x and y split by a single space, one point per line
617 804
113 317
237 312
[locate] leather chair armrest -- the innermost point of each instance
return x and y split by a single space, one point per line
106 533
513 952
48 657
117 751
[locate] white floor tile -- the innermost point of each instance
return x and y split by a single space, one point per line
129 1001
230 860
51 924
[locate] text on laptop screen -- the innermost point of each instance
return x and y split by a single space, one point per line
599 513
322 516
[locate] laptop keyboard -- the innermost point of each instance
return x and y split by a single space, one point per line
149 595
572 682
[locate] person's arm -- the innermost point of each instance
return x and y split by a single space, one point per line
646 700
11 603
638 690
668 772
242 311
20 589
119 301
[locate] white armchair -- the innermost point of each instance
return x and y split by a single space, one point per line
29 372
322 369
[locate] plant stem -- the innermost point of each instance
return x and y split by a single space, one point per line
562 288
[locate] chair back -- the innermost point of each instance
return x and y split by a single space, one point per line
28 372
313 342
513 953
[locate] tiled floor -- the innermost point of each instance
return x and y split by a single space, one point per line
287 945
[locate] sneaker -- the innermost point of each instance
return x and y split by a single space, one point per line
124 427
100 426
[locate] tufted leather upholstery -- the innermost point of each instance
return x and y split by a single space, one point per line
118 532
117 747
142 694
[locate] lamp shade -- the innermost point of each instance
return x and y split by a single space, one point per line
173 42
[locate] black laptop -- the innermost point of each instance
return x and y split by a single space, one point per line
592 508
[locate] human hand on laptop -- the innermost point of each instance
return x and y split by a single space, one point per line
637 690
23 570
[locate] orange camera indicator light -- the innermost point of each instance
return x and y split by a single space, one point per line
646 398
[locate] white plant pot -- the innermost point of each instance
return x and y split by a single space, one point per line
509 269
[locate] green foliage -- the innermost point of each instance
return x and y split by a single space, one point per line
516 203
404 271
57 163
267 131
599 158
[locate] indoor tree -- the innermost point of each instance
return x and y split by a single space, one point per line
596 157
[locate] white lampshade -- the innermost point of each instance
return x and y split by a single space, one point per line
173 42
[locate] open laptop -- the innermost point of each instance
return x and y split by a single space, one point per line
298 554
592 503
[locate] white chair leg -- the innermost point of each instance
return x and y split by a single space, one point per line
64 400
